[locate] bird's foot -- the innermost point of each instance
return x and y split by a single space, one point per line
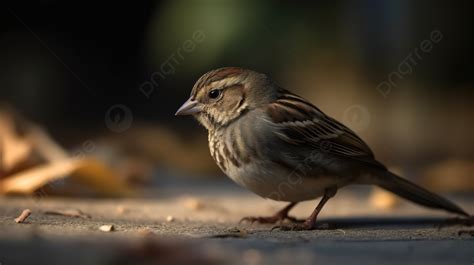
270 220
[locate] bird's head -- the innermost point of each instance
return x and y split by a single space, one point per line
223 95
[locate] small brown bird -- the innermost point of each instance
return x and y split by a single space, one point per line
282 147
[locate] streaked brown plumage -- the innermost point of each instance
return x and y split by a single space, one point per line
282 147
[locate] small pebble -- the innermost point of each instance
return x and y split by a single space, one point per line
20 219
170 219
107 228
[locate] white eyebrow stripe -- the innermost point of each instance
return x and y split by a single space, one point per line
230 81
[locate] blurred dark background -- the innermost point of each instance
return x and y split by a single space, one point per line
399 73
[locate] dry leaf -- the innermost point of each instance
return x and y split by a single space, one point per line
30 180
20 219
69 213
90 172
13 149
99 176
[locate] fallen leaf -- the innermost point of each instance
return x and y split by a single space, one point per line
33 160
13 148
90 172
100 177
20 219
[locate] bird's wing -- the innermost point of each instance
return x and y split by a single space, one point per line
303 124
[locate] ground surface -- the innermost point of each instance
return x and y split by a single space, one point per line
202 227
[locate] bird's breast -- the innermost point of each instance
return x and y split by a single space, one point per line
239 155
231 150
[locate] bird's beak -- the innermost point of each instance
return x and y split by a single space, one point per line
190 107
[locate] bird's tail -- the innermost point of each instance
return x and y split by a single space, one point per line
414 193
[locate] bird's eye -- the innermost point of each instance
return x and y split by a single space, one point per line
215 93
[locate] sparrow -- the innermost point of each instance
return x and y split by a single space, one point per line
281 147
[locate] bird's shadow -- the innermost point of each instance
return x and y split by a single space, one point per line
373 222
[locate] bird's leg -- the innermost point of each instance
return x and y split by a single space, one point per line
278 217
310 223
